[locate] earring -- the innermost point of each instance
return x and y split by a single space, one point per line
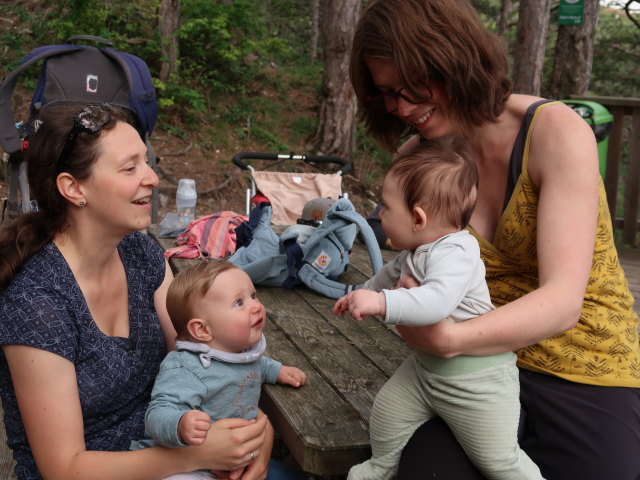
81 203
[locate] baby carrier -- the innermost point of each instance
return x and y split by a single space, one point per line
304 254
79 73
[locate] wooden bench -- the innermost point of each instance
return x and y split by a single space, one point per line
325 423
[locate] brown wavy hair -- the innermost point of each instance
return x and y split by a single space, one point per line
190 286
431 42
441 177
24 236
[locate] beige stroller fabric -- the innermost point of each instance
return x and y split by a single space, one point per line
288 192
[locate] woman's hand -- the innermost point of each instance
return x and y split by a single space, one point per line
231 442
257 466
257 470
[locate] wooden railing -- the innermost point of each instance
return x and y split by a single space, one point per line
619 108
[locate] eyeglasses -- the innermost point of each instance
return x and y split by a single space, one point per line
387 102
90 119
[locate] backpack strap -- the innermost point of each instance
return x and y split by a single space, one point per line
369 237
326 286
9 136
142 93
91 38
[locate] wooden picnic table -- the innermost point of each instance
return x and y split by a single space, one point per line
324 423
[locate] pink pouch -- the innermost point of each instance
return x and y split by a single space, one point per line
211 236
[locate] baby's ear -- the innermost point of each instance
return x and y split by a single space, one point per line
419 219
199 330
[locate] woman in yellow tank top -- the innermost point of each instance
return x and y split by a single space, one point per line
428 68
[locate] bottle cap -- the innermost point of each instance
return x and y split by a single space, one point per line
186 184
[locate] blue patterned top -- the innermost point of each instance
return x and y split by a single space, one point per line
45 308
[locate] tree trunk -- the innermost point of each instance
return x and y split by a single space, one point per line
335 133
169 18
505 16
574 55
533 24
315 27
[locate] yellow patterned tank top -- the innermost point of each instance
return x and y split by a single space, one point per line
603 348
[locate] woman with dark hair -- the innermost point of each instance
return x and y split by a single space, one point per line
84 323
423 69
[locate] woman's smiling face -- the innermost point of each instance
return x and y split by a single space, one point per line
118 191
430 117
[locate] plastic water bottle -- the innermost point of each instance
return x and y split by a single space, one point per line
186 201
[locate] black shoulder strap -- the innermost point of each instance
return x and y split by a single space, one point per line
515 162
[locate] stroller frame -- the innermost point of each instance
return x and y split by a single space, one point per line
241 159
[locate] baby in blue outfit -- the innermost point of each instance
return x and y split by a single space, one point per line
218 367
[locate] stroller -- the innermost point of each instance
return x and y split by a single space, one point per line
303 226
289 191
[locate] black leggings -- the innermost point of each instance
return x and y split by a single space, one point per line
571 430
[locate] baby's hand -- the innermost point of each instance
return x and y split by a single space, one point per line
340 306
193 427
291 376
363 302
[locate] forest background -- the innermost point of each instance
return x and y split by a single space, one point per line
251 75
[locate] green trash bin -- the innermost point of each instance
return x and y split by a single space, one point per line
599 118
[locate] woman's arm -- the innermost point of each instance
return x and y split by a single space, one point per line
563 164
46 389
160 302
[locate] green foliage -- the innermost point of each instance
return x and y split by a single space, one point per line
373 162
224 45
489 11
290 21
240 61
616 69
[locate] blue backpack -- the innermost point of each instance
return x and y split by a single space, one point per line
81 73
302 254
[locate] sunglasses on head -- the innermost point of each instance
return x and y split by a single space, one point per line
90 119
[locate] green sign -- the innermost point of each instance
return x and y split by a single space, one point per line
570 12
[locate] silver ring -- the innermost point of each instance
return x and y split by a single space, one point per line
253 456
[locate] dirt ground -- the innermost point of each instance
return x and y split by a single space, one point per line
220 184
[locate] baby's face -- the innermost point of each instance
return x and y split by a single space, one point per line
396 220
232 311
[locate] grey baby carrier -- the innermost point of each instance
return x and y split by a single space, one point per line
302 254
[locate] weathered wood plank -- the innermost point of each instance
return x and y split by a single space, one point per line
314 419
379 343
349 372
